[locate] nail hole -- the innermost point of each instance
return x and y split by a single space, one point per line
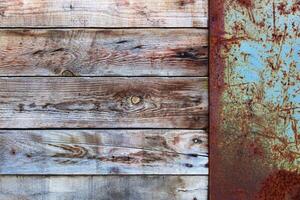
13 151
188 165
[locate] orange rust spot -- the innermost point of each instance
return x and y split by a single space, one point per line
255 149
246 3
282 8
281 185
296 7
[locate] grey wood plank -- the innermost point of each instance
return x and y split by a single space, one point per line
103 187
103 152
60 102
112 52
104 13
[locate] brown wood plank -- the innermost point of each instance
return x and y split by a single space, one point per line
104 13
103 152
60 102
115 52
103 188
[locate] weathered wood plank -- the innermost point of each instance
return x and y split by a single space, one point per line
117 52
104 13
103 188
59 102
103 152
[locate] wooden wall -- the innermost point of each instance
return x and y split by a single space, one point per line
103 99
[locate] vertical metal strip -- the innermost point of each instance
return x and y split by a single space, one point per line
254 99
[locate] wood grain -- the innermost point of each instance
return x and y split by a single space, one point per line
103 152
104 13
63 102
115 52
103 188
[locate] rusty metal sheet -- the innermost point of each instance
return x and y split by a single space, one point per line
254 99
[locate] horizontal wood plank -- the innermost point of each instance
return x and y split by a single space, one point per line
104 13
115 52
103 152
60 102
103 188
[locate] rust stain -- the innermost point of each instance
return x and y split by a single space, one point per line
216 67
281 185
254 98
246 3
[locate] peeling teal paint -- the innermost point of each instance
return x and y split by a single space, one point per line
255 99
262 77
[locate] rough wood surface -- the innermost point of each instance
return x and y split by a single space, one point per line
116 52
104 13
63 102
103 188
103 152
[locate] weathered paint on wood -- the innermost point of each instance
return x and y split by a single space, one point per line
103 187
116 52
104 13
63 102
103 152
255 99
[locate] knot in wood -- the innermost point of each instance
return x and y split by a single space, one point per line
67 73
135 100
197 141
